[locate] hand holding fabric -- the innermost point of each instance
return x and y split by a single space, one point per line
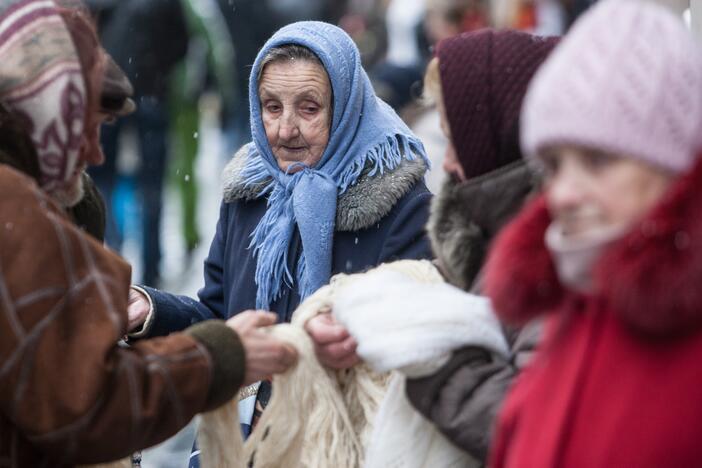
333 345
265 355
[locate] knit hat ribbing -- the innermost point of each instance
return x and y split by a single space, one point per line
484 76
626 79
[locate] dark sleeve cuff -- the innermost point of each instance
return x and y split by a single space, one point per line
423 392
228 360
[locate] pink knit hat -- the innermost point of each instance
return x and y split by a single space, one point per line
626 79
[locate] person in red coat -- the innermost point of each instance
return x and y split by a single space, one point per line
610 252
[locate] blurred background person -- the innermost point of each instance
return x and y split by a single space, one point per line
448 18
405 55
209 63
147 38
412 27
545 17
250 24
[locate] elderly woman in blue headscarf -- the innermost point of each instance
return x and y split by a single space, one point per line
332 182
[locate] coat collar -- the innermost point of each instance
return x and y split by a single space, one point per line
465 217
361 206
650 278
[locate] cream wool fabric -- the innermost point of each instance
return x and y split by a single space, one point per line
318 418
402 325
403 438
295 419
412 329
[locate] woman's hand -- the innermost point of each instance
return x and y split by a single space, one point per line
265 355
138 308
333 345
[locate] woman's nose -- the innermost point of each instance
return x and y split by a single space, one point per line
91 151
96 157
289 128
452 165
564 189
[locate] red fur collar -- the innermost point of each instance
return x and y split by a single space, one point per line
652 278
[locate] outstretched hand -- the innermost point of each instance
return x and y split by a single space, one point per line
265 354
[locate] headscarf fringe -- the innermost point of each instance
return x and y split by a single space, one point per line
270 280
385 156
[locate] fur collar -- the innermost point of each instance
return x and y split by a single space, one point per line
364 204
650 278
465 217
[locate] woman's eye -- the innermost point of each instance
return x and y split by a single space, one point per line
598 160
548 165
310 109
273 108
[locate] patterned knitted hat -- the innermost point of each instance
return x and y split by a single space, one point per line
484 76
46 49
627 79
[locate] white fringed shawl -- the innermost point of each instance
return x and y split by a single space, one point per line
406 322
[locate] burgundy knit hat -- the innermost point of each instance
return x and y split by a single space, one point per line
484 76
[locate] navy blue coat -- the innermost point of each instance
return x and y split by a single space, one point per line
230 266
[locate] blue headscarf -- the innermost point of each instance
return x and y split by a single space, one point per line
364 132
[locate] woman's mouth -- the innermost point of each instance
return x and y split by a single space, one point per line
294 149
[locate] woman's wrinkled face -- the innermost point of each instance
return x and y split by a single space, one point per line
296 105
587 190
